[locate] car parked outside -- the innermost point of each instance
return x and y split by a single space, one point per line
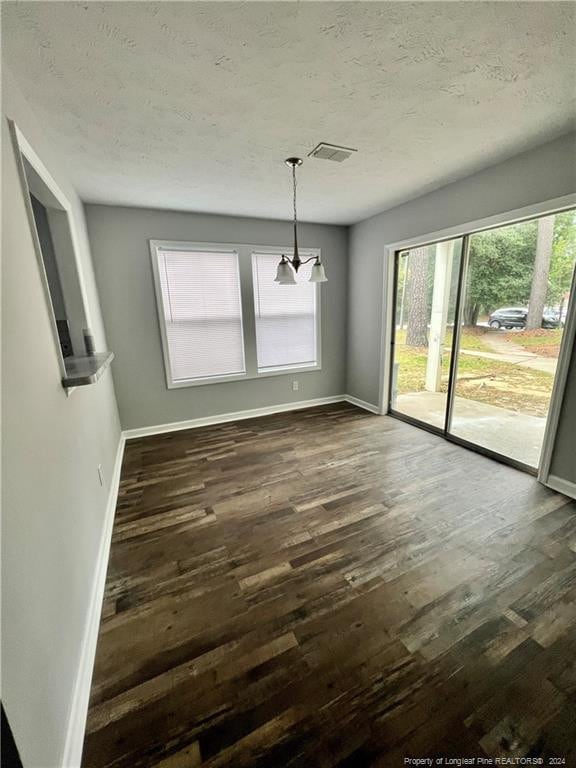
515 317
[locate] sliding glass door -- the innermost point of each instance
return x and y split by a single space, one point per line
425 308
478 326
515 298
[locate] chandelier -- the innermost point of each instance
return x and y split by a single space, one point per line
289 266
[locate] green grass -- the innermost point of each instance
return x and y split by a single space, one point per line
481 379
538 338
470 339
544 341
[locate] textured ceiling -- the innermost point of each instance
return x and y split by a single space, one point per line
195 105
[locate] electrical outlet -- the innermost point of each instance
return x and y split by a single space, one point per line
100 474
295 386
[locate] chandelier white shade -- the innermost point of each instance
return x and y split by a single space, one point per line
318 275
285 273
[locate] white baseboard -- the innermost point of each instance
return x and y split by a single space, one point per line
206 421
79 710
362 404
561 485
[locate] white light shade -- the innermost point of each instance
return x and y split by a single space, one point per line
284 274
318 275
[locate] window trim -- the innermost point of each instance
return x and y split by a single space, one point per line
244 252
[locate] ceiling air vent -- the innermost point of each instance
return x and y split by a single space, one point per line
331 152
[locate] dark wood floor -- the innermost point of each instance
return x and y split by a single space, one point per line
331 588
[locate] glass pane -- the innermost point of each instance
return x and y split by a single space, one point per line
426 287
515 300
200 294
285 315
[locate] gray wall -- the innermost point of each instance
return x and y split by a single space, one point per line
119 239
53 506
532 177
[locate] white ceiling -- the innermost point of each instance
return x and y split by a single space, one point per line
195 105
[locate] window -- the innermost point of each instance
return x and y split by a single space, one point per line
199 302
222 317
285 316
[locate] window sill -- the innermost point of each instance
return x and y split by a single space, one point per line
84 370
288 369
262 374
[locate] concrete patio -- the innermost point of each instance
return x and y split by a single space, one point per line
513 434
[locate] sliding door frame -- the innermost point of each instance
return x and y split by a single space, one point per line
465 231
456 333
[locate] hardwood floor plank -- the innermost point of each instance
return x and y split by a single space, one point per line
189 757
331 588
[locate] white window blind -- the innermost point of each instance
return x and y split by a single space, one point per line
202 311
285 316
